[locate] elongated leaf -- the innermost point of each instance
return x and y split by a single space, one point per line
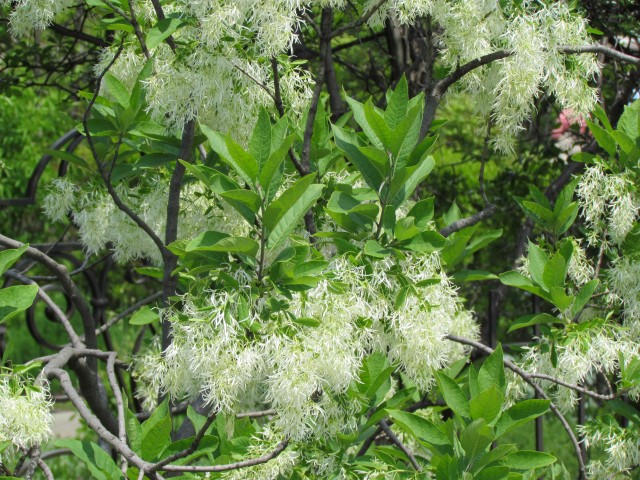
397 103
453 395
487 404
9 257
15 300
629 122
348 143
156 432
476 438
406 135
521 413
163 30
425 242
248 198
555 271
243 159
492 372
584 295
473 276
420 428
378 125
144 316
99 462
271 171
407 179
219 145
528 460
260 144
117 90
533 319
282 216
357 109
374 249
604 138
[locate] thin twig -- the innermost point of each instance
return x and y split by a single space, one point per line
125 313
115 387
469 221
360 21
190 449
231 466
392 436
114 195
57 311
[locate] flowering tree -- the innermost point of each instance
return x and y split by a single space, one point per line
309 325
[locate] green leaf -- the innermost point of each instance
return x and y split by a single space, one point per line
133 429
15 300
163 30
521 413
493 473
482 241
374 249
243 203
357 109
407 180
425 242
418 427
260 143
476 438
492 372
453 395
117 90
375 372
212 241
283 215
144 316
156 432
629 122
379 159
67 157
555 271
348 143
604 138
307 321
584 295
533 319
9 257
271 171
378 125
405 229
473 276
99 462
397 103
517 280
487 404
422 211
537 212
243 159
247 168
537 263
528 460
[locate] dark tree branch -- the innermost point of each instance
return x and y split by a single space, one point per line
488 212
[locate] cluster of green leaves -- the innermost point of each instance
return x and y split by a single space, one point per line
393 162
464 446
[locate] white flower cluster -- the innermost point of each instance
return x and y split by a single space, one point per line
101 223
305 372
623 282
609 204
25 417
222 77
29 15
622 447
583 352
532 30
